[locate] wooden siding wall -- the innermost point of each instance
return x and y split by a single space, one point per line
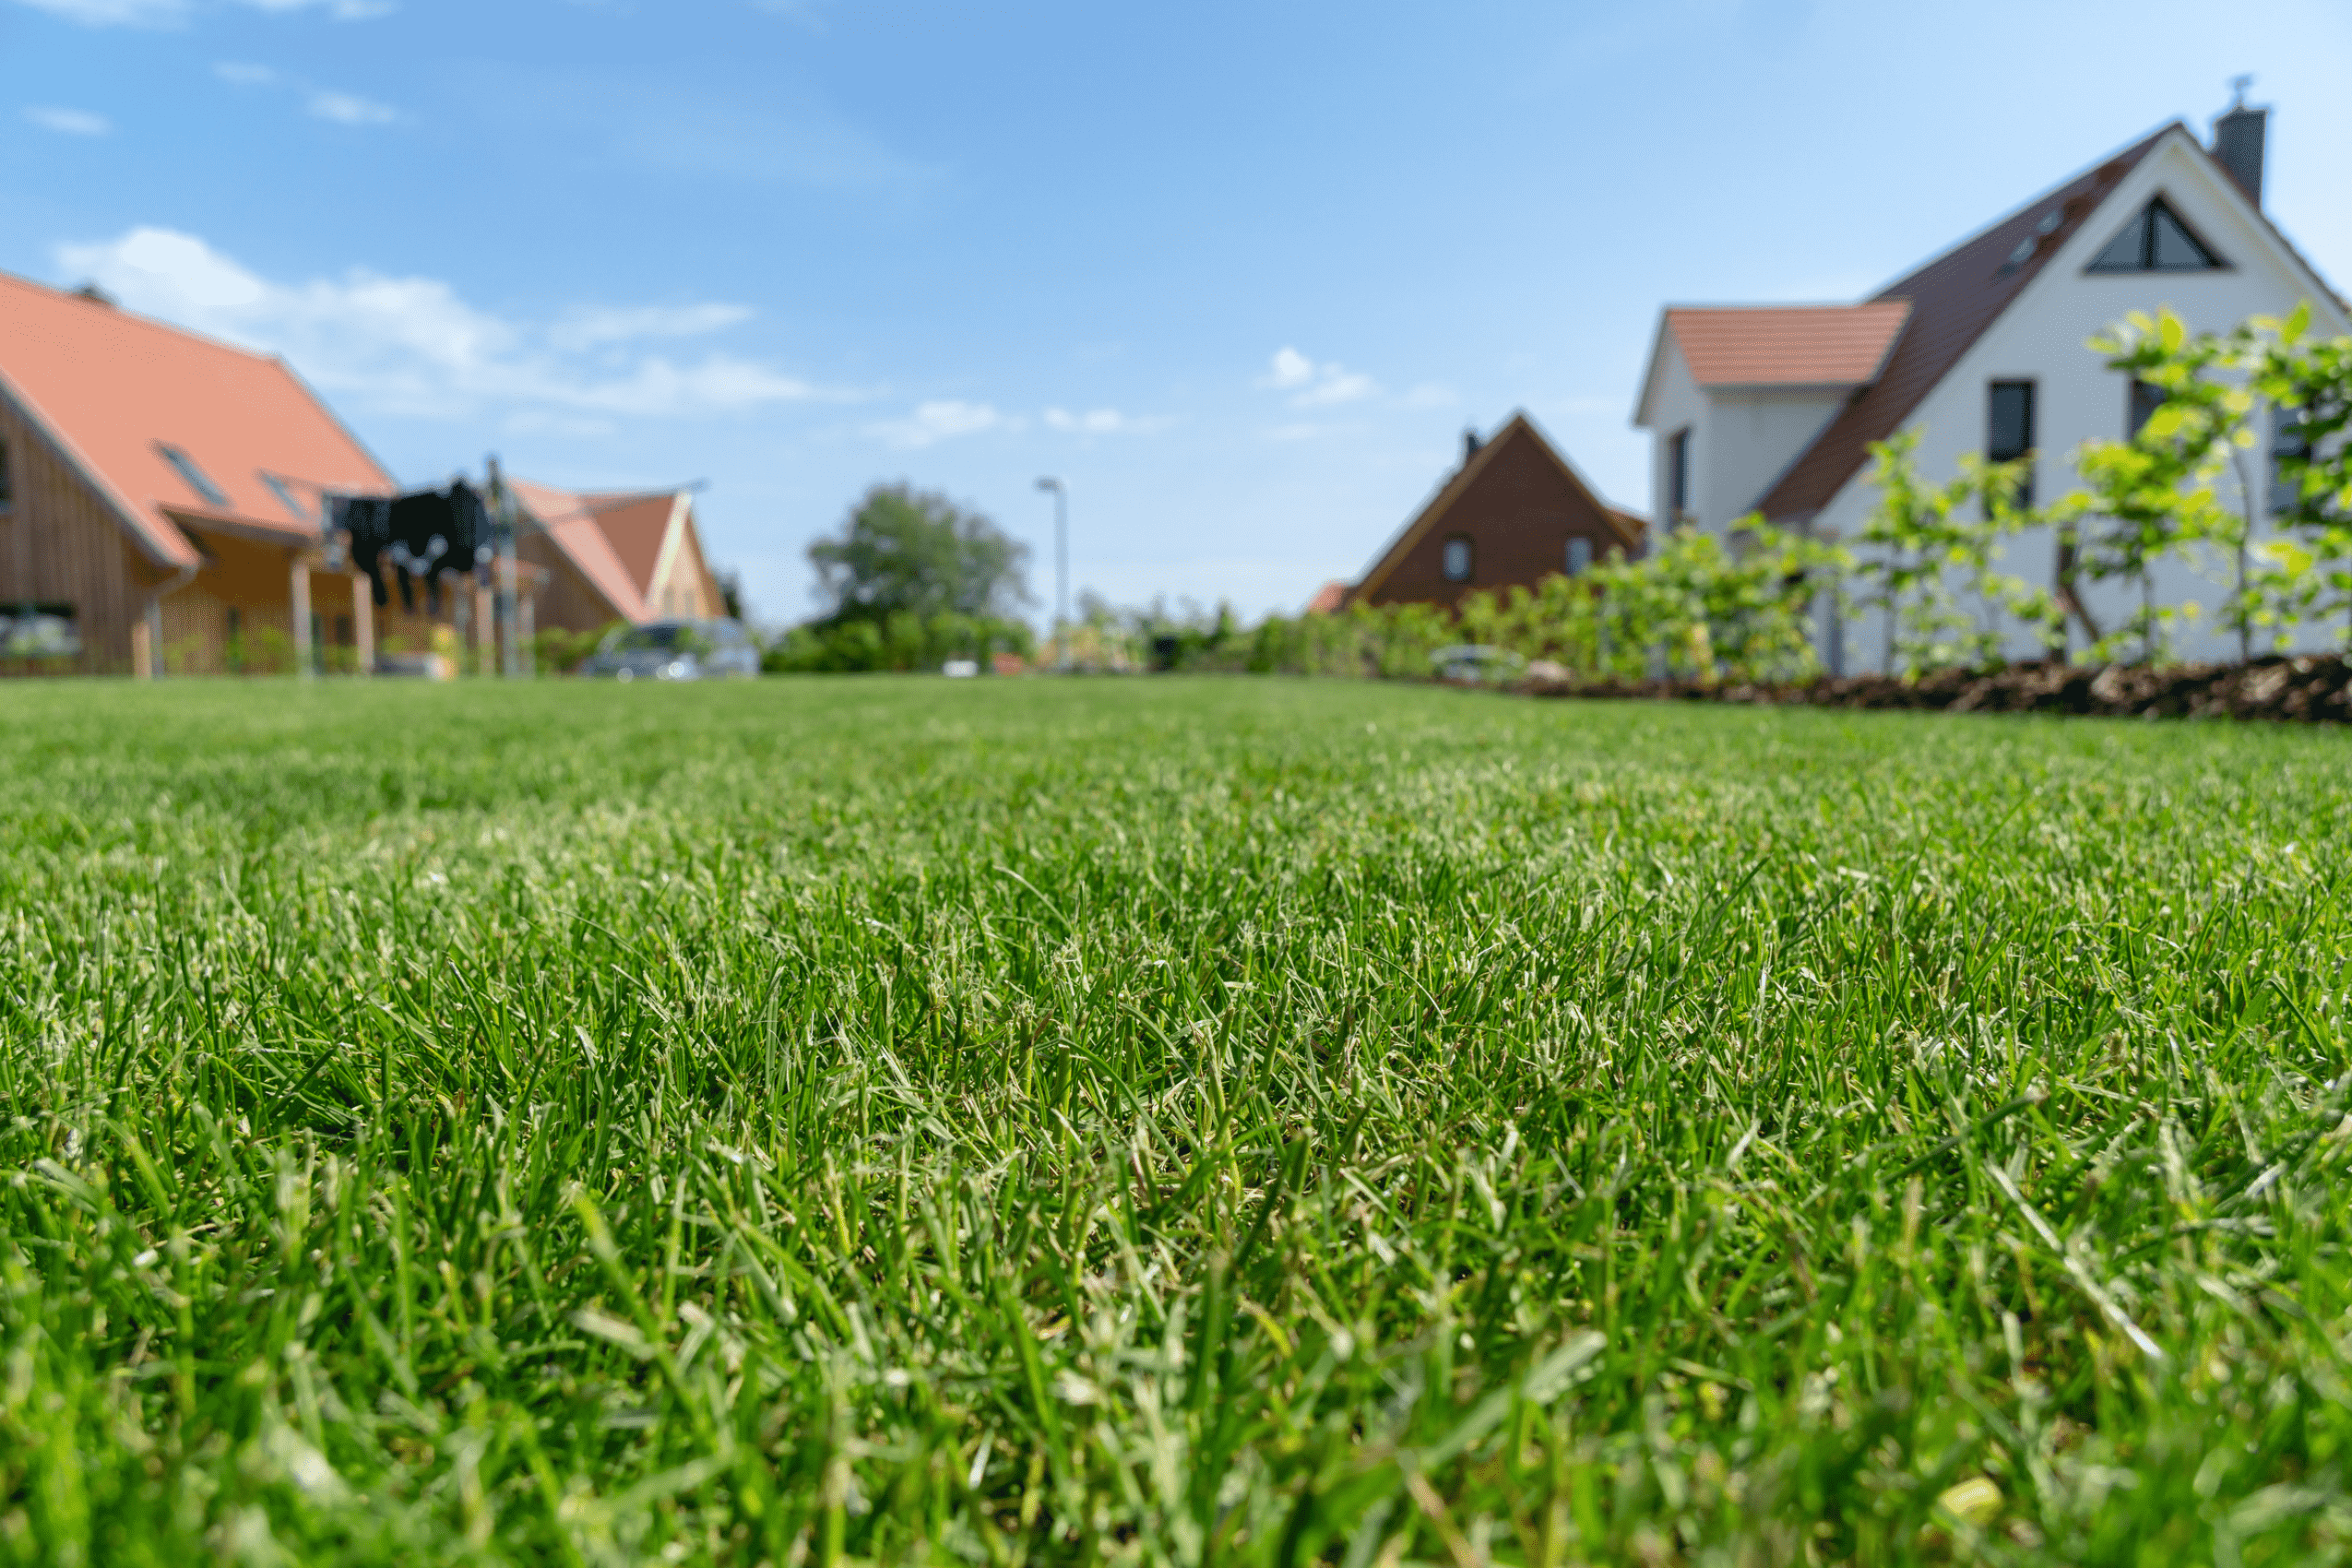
687 588
253 579
60 543
568 601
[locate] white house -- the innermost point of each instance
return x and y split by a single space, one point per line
1772 409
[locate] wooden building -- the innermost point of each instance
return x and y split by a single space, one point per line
160 498
1513 514
628 555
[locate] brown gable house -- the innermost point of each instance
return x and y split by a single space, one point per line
629 556
161 498
1511 514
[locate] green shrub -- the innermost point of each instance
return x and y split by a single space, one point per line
901 641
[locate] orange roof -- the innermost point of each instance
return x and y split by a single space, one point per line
113 390
573 522
1786 345
1329 598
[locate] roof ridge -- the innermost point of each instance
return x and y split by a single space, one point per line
1451 490
139 318
1956 296
2134 150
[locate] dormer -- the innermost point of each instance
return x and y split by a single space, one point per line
1734 394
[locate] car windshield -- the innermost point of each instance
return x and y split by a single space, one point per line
653 639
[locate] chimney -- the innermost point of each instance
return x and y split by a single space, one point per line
1469 446
2238 138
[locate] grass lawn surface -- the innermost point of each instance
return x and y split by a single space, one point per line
1166 1122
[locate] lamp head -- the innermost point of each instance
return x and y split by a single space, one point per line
1049 484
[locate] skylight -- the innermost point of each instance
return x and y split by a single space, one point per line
285 496
209 493
2157 241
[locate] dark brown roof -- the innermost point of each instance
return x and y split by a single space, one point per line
1786 345
1953 299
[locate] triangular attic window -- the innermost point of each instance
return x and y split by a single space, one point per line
2157 241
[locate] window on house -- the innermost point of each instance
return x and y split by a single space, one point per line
1678 473
278 487
1456 561
1580 555
198 480
8 486
2145 401
2009 429
2287 442
2157 241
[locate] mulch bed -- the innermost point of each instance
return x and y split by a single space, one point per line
2312 689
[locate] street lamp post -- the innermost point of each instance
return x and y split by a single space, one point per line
1061 569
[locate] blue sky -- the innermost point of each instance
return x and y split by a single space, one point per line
1240 273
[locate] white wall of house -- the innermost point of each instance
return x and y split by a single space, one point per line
1753 434
2041 337
1675 404
1741 437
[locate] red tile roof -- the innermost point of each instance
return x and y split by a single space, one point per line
1786 345
572 521
1953 299
112 388
1329 598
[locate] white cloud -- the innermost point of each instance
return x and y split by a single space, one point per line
1102 422
1288 368
1335 385
410 345
1313 385
349 109
586 328
69 122
115 13
243 73
943 420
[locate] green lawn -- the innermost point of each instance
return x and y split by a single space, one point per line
1247 1121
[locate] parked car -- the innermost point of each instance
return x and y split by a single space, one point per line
675 650
1475 664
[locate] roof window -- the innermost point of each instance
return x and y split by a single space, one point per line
198 480
2157 241
1455 558
285 496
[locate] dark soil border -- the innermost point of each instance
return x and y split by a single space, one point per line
2315 689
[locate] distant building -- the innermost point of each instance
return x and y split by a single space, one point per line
1772 409
1515 513
628 555
160 496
